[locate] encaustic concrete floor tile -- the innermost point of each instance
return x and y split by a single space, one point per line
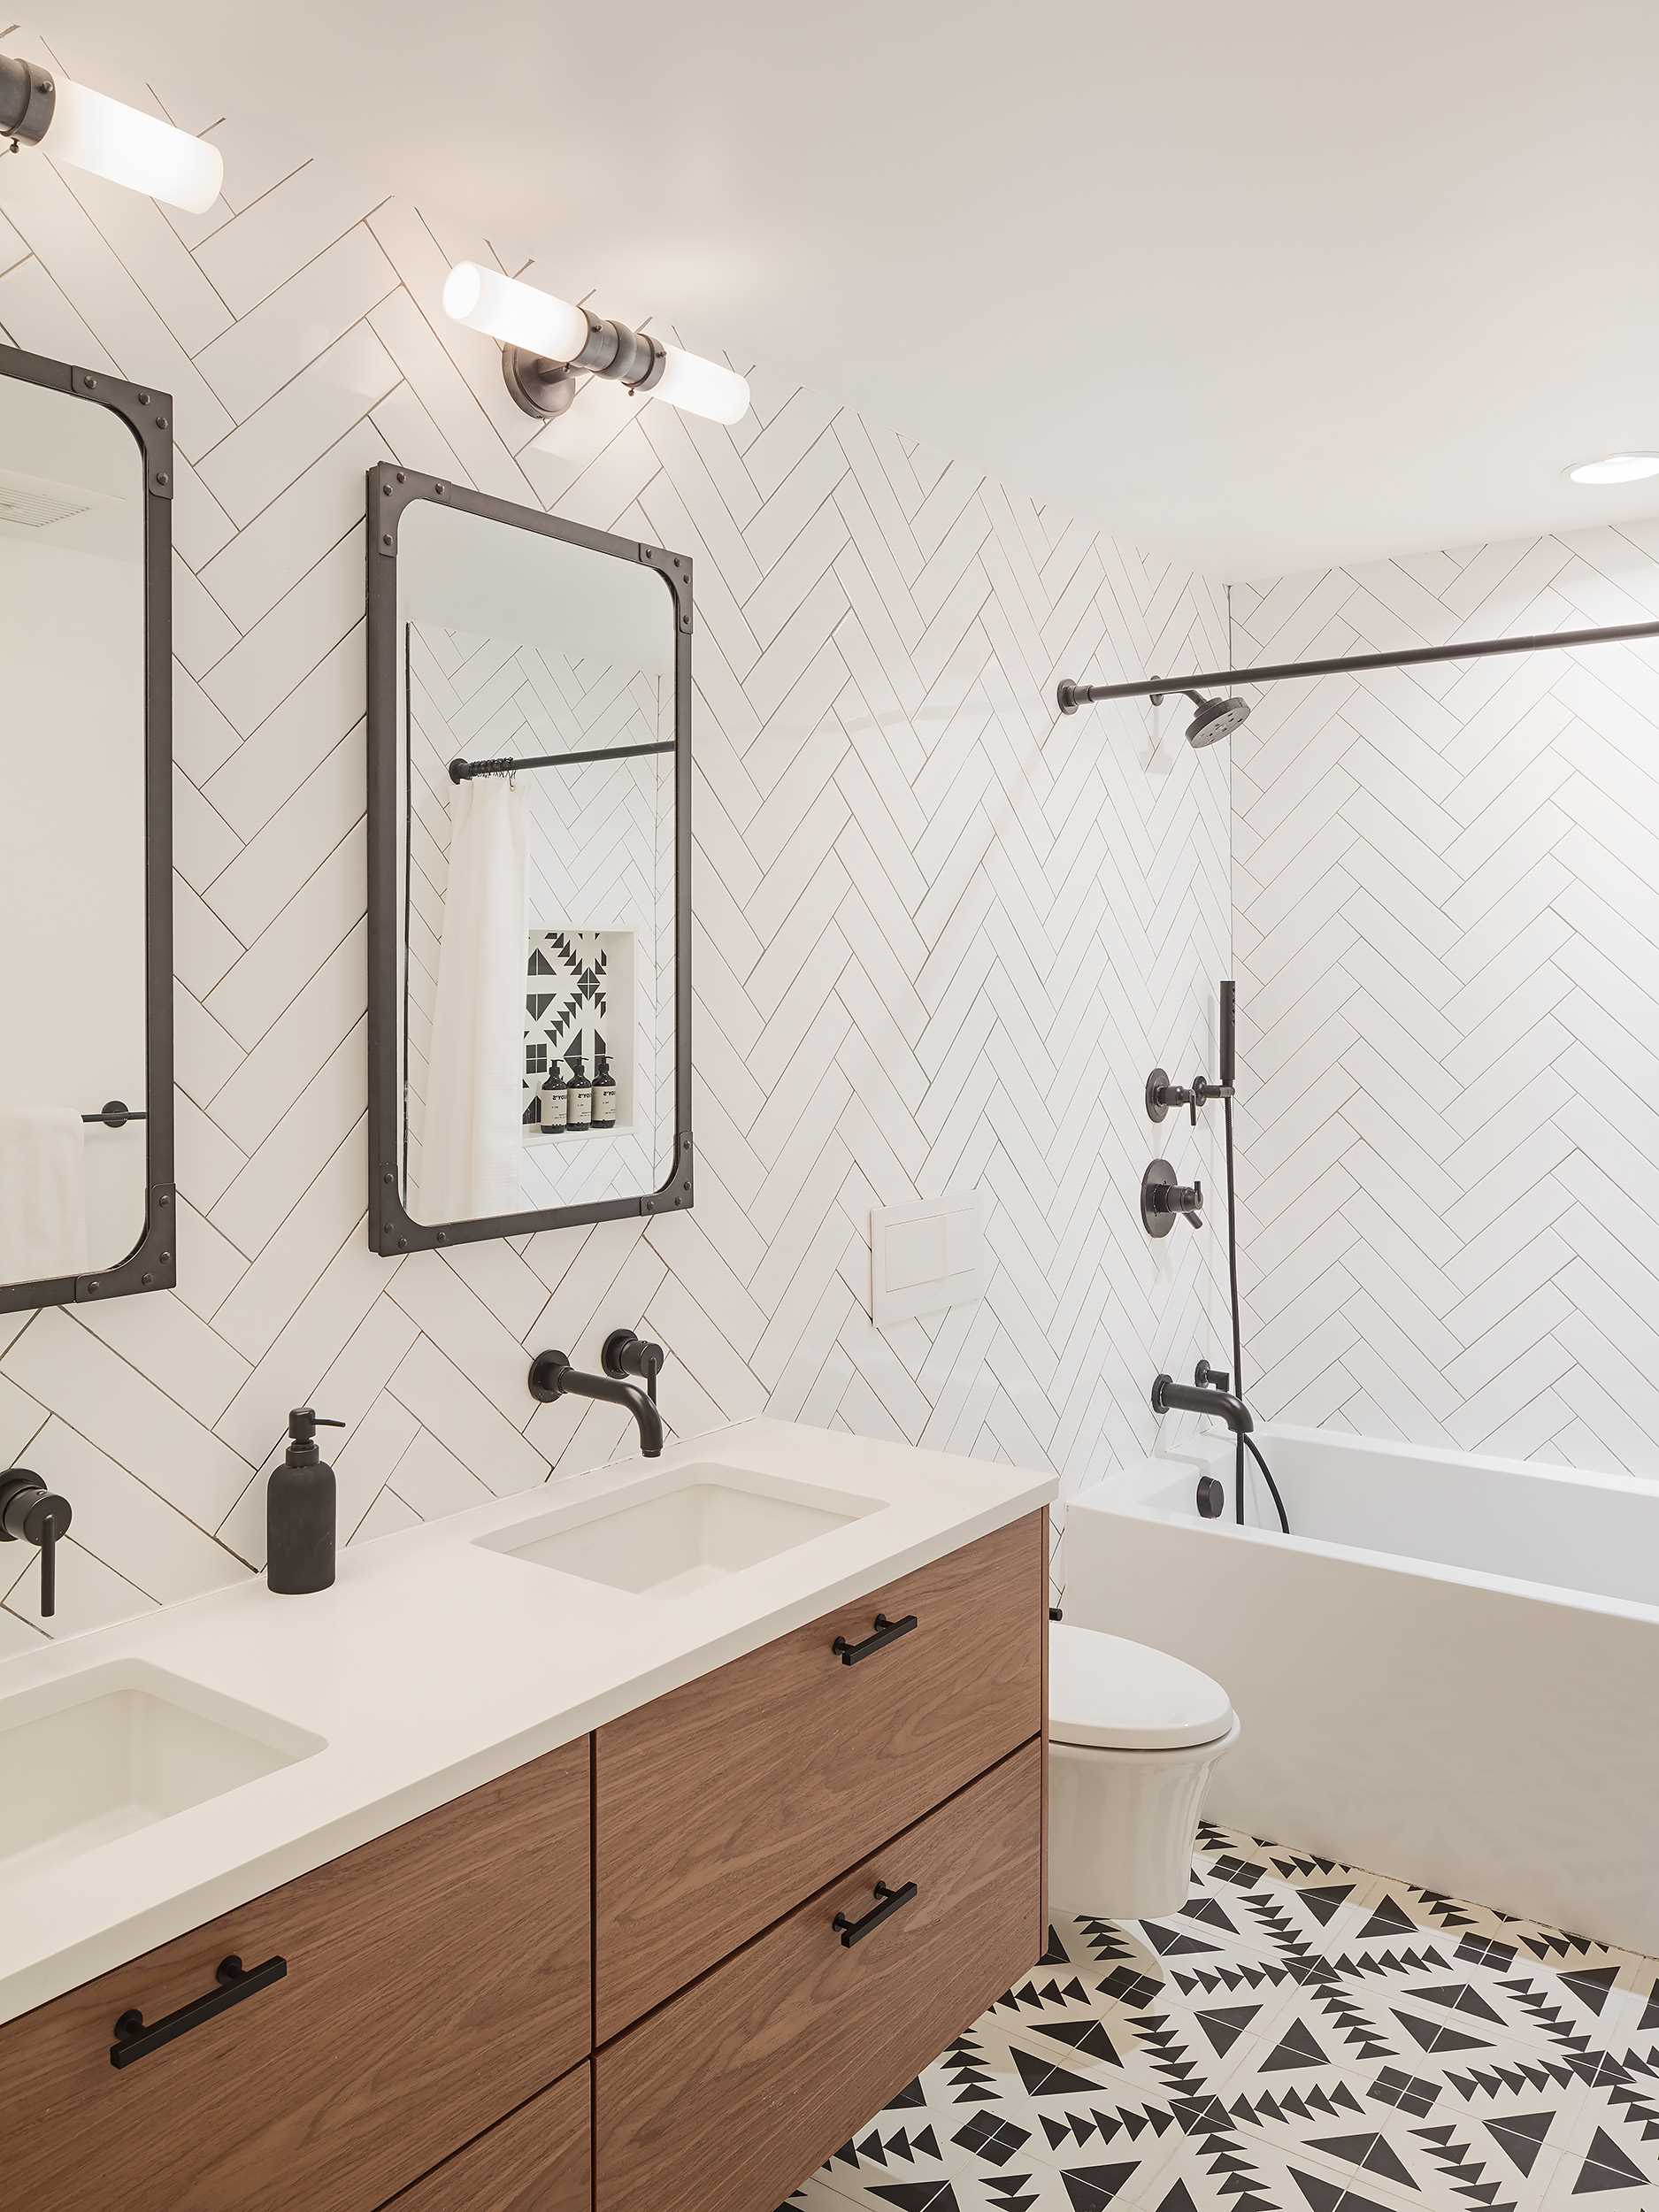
1300 2036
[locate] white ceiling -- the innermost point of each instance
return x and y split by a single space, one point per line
1267 287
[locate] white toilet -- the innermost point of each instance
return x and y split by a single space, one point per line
1134 1734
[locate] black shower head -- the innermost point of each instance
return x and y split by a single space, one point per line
1215 719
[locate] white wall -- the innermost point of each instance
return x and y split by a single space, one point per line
1446 890
940 933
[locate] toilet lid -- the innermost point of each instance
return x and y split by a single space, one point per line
1119 1696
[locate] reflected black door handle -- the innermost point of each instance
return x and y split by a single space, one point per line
135 2040
889 1902
887 1632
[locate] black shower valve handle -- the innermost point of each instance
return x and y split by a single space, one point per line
1201 1092
1186 1199
1161 1198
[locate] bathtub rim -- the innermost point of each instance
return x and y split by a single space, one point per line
1214 1456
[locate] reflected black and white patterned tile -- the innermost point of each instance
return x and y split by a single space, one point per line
1301 2037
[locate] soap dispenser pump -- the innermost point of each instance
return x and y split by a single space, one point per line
299 1512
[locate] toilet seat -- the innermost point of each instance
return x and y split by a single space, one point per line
1107 1693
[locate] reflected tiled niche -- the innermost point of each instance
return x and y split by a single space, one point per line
565 1014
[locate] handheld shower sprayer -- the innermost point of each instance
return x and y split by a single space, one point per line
1229 1024
1162 1093
1162 1200
1227 1056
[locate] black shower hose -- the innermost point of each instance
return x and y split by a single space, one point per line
1242 1442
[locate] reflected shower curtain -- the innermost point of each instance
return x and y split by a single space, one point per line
470 1151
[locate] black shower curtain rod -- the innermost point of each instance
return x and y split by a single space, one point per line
463 770
1071 695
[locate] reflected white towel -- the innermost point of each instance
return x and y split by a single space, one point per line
42 1193
473 1142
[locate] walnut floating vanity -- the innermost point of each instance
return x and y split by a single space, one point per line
668 1965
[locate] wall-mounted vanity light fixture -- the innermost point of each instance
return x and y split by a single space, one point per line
90 131
548 343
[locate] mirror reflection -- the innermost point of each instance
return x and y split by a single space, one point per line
74 1154
537 783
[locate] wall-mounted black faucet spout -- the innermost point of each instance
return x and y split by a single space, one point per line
1169 1396
552 1376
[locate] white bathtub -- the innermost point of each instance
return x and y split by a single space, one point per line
1449 1672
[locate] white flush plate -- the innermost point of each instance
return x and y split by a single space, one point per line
926 1256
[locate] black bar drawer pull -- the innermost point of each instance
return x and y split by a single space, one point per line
887 1632
853 1932
135 2040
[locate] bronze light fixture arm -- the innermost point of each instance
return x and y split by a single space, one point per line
547 389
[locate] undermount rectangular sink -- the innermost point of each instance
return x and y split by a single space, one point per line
101 1755
689 1530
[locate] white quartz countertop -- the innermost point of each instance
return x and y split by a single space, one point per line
436 1663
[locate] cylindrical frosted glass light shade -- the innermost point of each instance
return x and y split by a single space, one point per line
92 132
702 387
518 314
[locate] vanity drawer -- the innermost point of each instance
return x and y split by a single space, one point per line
537 2160
731 2094
720 1806
435 1979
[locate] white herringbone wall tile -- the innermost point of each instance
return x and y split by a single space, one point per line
1446 900
941 934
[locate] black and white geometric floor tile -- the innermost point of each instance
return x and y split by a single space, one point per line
1300 2038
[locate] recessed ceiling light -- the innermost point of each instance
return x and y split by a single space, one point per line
1617 468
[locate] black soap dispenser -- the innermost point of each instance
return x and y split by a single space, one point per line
299 1512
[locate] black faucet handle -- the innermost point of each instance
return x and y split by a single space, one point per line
1208 1377
30 1513
48 1567
624 1353
27 1505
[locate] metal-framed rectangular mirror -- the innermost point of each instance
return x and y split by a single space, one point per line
86 1200
529 869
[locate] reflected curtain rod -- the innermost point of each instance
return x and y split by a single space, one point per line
1069 694
463 770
